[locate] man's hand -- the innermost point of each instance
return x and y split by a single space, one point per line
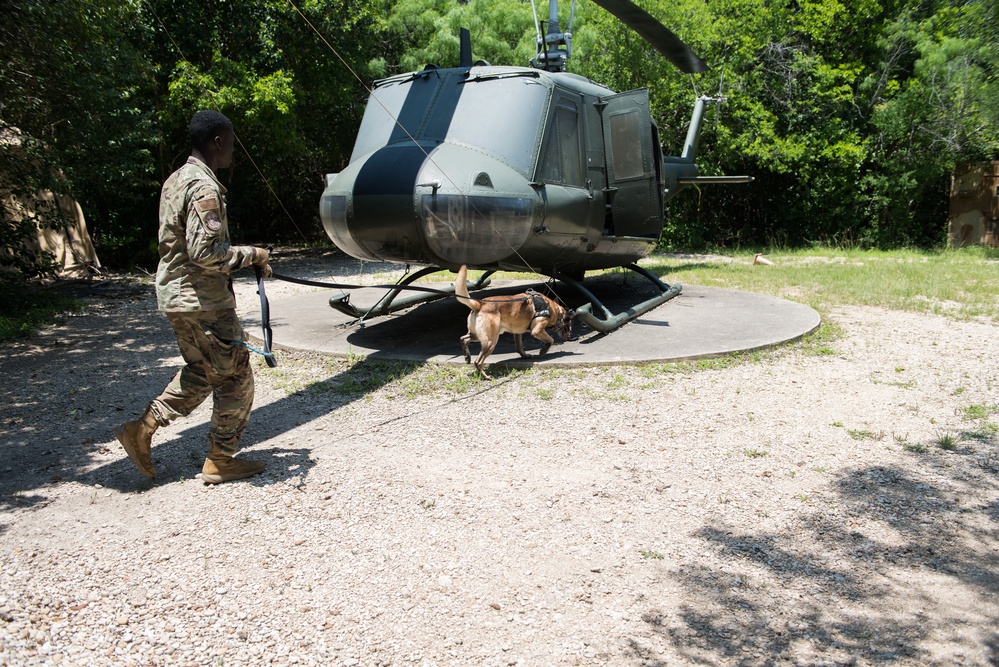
261 258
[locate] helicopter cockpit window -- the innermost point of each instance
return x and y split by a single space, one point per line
626 145
379 122
563 161
497 115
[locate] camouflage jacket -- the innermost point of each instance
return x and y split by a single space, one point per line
196 258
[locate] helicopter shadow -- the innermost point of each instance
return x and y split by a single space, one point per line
432 332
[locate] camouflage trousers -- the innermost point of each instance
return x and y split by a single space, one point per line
216 365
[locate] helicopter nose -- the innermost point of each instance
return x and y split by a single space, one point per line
367 209
475 229
448 205
473 208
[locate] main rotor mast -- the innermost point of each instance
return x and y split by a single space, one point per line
555 47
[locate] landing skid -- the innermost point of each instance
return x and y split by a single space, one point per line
604 321
389 304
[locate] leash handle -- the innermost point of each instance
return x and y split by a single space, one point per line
265 319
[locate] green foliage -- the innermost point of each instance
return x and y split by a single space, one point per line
427 31
849 114
75 89
291 93
103 92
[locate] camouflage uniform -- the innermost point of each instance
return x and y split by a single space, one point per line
194 289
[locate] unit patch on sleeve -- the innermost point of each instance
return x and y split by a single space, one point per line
213 221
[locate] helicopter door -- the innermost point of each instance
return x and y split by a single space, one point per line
563 171
632 196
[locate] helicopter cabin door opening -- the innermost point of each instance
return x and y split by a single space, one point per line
633 193
562 169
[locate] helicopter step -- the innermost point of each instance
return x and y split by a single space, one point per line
604 321
389 304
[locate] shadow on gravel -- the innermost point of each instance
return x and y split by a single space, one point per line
882 551
66 389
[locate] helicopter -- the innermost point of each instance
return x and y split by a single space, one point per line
507 168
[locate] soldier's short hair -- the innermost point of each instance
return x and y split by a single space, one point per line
205 126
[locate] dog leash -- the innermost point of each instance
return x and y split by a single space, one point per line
344 286
265 322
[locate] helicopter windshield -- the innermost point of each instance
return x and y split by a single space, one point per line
497 115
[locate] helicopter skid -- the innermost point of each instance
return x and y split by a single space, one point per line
390 304
606 321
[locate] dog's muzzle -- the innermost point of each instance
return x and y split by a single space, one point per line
564 326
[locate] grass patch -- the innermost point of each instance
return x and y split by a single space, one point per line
957 283
355 376
866 435
977 412
649 554
24 308
986 432
946 442
724 362
753 453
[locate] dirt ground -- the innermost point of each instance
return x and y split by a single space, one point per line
822 504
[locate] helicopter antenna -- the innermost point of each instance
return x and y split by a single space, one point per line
537 26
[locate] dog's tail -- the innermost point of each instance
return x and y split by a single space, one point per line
461 289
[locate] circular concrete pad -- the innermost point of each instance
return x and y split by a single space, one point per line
700 322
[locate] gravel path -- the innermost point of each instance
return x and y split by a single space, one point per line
823 504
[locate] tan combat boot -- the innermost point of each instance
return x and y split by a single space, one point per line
220 467
137 439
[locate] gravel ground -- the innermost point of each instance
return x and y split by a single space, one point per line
833 504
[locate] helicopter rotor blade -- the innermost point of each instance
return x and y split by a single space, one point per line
655 33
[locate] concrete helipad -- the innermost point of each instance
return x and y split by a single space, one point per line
700 322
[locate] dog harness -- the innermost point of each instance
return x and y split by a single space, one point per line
540 305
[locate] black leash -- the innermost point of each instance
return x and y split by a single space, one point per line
412 288
342 286
265 321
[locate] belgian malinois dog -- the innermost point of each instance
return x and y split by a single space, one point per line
528 312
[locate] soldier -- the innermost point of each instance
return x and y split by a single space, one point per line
194 290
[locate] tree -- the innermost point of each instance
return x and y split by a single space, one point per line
294 102
77 94
932 104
